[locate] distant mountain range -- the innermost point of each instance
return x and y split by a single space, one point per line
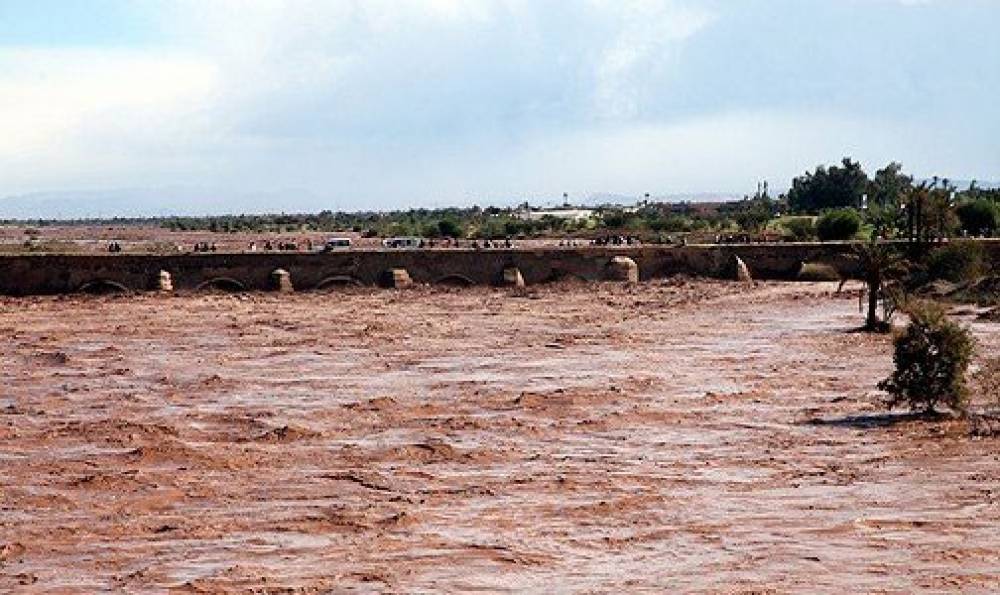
180 201
162 202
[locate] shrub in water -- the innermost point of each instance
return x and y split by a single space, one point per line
841 224
931 357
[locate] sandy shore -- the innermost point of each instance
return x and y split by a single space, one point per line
676 435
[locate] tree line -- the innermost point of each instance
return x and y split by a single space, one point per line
839 201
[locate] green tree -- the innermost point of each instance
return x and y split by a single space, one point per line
513 227
957 261
616 219
879 263
670 223
839 224
753 214
979 216
829 188
802 228
929 215
889 186
551 223
449 228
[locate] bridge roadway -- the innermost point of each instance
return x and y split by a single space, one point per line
28 274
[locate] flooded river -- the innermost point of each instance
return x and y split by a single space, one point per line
677 435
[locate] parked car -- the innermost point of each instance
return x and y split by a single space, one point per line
337 244
408 242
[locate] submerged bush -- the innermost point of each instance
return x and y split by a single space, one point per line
956 262
932 356
841 224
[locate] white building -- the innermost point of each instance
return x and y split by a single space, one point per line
565 214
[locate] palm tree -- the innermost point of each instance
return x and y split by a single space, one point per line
879 264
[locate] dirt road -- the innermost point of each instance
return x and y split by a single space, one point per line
676 435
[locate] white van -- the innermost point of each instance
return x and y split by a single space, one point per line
408 242
337 244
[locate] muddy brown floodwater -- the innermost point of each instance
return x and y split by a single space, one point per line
673 436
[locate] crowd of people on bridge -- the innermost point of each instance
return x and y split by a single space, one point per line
432 243
418 243
617 240
491 244
280 246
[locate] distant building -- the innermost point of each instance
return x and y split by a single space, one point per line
565 214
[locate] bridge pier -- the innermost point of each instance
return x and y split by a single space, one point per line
396 278
164 282
512 277
281 281
742 270
623 268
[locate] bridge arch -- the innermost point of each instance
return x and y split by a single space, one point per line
558 275
223 284
455 280
668 270
103 286
338 281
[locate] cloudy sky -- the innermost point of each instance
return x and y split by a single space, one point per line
385 103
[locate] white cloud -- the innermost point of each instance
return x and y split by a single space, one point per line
48 93
400 101
74 113
242 77
648 33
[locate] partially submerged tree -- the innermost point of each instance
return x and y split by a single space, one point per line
957 261
880 264
932 356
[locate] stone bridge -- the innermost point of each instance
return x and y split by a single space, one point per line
66 273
